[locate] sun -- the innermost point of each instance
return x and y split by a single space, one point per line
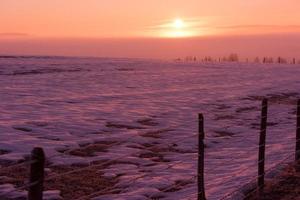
177 28
178 23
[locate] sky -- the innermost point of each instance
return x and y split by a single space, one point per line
135 27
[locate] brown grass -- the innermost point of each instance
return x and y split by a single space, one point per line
147 122
283 98
90 150
72 186
285 187
122 126
80 184
156 133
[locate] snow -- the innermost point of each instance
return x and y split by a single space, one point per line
8 191
64 103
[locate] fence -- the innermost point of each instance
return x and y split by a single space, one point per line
37 163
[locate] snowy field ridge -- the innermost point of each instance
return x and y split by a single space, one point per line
131 124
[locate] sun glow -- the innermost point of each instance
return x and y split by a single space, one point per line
178 23
178 29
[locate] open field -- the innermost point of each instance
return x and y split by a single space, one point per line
134 122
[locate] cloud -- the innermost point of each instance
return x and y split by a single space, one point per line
266 26
188 22
206 26
14 35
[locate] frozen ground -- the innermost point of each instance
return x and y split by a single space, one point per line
144 114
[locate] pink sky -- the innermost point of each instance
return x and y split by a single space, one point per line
143 28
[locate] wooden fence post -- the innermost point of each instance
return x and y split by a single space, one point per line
262 143
297 153
36 174
200 175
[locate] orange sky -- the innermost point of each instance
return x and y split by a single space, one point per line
99 19
142 18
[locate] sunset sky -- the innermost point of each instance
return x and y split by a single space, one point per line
122 24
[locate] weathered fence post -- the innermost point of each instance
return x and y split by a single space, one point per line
200 175
262 143
297 153
36 174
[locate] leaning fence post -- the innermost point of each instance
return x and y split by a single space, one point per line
36 174
200 175
262 143
297 153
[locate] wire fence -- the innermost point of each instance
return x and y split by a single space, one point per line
255 183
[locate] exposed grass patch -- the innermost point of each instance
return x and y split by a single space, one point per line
223 107
3 151
38 123
25 129
72 186
289 98
285 187
246 109
15 175
224 134
156 133
90 150
121 126
154 156
147 122
224 117
257 125
80 184
178 185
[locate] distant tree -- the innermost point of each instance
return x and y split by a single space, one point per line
189 58
271 60
233 57
281 60
257 60
268 60
208 59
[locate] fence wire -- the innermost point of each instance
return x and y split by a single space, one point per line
254 179
29 162
18 189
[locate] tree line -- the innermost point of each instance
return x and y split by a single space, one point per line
235 58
